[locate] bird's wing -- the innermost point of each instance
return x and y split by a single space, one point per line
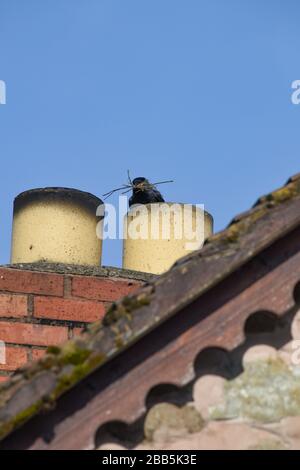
157 196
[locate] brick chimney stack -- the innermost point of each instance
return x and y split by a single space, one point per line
44 304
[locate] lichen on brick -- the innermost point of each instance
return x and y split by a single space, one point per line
165 421
266 391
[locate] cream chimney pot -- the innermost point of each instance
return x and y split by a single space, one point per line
158 255
56 225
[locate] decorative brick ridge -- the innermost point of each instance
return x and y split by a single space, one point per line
257 410
44 304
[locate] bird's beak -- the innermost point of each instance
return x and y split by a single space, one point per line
140 186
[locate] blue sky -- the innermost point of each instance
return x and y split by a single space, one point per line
197 90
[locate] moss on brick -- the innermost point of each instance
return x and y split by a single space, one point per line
70 376
125 308
235 230
20 418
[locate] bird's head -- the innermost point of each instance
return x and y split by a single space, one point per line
140 183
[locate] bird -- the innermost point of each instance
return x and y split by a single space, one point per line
143 192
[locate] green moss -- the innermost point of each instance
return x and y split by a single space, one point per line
20 418
233 233
71 376
46 363
235 230
124 308
53 350
74 361
285 193
94 328
119 342
73 353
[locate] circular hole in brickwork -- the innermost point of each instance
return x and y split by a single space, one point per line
261 322
216 361
169 393
265 327
119 432
297 293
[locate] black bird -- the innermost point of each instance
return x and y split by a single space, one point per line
143 192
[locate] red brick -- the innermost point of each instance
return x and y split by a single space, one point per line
27 333
38 354
14 358
13 305
67 309
3 378
101 288
15 280
77 331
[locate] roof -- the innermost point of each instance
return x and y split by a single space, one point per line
40 385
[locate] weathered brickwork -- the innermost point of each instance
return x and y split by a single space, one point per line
41 309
